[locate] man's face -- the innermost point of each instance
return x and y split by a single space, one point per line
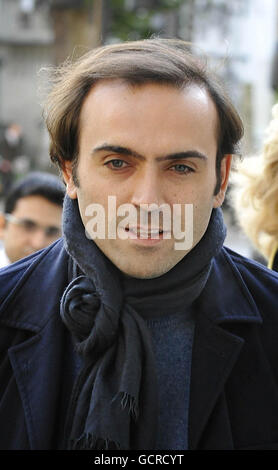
149 144
31 228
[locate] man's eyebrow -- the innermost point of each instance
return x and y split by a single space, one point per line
172 156
118 149
183 155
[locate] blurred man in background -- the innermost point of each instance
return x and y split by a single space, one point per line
32 216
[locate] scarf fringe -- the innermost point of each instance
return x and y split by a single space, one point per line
90 442
130 403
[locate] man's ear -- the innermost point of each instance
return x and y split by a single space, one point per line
69 180
224 174
2 225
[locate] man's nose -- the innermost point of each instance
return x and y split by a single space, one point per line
147 188
38 240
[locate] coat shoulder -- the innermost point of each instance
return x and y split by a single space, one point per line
260 281
14 276
251 267
11 275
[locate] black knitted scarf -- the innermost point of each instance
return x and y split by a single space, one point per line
114 402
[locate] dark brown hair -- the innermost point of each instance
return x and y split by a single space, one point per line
165 61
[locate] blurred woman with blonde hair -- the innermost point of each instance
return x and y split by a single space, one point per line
254 195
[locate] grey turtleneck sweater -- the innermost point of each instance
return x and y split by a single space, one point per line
172 340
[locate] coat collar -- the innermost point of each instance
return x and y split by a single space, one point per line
226 298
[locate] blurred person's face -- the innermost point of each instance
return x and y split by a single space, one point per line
34 224
147 144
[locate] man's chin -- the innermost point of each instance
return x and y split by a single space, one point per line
144 272
142 262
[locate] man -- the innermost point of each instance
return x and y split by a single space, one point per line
32 216
132 332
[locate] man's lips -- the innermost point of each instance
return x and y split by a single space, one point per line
144 232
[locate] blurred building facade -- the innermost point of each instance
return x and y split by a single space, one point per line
26 42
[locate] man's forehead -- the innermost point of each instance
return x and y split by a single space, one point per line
26 205
108 96
113 106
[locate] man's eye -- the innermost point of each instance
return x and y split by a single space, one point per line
182 168
29 225
116 163
53 232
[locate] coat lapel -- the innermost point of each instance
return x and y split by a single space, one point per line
224 301
37 369
214 354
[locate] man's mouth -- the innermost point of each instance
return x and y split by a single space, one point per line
143 232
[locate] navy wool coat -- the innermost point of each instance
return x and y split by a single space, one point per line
234 381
